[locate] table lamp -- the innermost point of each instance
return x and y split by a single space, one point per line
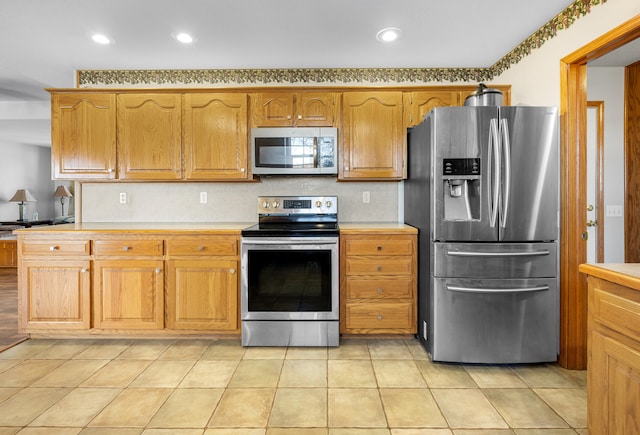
62 192
22 196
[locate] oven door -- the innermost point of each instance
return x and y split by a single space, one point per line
289 278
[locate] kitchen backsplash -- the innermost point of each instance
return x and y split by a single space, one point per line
233 202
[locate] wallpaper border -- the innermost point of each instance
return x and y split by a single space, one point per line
199 77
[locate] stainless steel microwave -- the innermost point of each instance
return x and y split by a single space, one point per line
294 151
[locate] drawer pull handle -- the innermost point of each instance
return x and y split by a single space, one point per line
379 268
158 270
380 290
127 248
200 248
379 316
232 270
379 248
54 248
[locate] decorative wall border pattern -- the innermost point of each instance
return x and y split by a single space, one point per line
101 78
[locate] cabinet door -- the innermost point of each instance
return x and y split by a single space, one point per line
374 140
418 104
149 136
202 294
8 253
315 109
272 109
55 294
215 136
128 294
83 136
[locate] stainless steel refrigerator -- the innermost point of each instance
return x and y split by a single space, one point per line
483 191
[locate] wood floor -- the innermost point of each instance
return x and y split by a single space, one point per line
9 308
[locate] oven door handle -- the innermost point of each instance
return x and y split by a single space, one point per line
288 243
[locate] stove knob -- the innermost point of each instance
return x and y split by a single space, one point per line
265 204
275 204
328 204
318 204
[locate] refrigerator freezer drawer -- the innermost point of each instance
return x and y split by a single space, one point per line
495 260
495 321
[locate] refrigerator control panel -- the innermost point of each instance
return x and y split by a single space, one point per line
461 166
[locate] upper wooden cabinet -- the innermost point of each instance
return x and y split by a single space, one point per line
83 136
373 136
418 104
215 136
300 109
149 136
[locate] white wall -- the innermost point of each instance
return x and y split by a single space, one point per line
536 79
26 167
607 84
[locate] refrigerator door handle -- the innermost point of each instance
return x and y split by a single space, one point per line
498 254
493 185
538 288
506 152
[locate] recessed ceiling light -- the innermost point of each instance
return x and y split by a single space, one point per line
389 34
185 38
101 39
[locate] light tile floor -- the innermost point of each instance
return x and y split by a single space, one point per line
365 386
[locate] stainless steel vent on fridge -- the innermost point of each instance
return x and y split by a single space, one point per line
483 190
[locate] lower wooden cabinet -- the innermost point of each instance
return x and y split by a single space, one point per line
128 294
55 294
202 294
8 253
613 371
378 284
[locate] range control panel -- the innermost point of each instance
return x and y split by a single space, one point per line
298 204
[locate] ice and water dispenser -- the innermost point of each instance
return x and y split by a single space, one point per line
461 189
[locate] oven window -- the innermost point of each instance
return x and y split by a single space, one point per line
289 281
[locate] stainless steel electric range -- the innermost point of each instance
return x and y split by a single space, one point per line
289 290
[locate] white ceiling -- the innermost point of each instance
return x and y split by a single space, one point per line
43 42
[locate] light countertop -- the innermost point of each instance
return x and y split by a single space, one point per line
626 274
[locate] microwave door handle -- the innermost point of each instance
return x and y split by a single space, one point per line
315 151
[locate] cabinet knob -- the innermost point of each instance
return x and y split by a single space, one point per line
288 116
379 316
379 290
158 270
299 116
200 248
110 170
379 268
83 270
53 248
242 169
379 248
232 271
127 248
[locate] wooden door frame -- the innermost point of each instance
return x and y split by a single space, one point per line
573 123
599 173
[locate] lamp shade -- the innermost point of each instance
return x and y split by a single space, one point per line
22 195
61 192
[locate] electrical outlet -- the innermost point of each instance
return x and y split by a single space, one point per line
366 197
123 197
203 197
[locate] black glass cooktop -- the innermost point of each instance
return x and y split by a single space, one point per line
298 229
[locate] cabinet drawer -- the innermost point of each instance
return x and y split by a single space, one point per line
618 309
396 246
379 266
56 248
380 316
202 246
398 288
128 247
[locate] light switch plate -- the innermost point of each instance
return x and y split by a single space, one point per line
123 197
203 197
614 211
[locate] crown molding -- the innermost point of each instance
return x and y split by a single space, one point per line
336 76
